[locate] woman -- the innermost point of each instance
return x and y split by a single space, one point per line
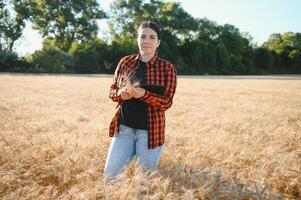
143 86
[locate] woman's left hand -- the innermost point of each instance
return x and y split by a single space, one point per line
136 92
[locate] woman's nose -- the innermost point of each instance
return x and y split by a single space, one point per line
146 40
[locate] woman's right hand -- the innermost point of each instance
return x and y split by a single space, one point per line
125 95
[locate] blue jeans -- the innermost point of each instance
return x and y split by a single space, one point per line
124 147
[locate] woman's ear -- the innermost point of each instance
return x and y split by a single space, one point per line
158 43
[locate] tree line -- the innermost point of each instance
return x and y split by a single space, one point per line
194 45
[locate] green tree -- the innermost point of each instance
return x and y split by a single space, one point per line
91 56
192 51
51 59
7 60
222 59
175 23
207 30
288 48
275 43
239 48
126 15
295 58
12 22
263 59
67 21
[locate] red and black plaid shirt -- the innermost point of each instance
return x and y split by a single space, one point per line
158 72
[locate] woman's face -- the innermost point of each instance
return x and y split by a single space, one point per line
147 41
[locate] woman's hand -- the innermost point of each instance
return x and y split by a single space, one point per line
136 92
124 93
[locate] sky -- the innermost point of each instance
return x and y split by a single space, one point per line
260 18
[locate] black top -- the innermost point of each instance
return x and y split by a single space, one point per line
134 111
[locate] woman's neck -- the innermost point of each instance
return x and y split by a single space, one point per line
146 57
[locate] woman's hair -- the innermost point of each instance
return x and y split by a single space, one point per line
152 25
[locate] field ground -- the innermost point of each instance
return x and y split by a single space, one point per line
226 138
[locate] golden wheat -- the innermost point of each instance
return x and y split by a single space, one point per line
225 139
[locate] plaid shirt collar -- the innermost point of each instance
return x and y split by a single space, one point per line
151 62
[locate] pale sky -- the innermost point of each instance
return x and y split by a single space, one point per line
260 18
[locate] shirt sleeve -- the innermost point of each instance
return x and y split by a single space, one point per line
163 102
113 93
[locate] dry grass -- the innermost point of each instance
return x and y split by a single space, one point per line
226 139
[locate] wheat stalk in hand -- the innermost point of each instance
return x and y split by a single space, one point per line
129 81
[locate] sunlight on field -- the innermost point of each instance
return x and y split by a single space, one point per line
225 139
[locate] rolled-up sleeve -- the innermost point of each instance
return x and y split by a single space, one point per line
113 93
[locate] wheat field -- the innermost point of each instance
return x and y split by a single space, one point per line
226 138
